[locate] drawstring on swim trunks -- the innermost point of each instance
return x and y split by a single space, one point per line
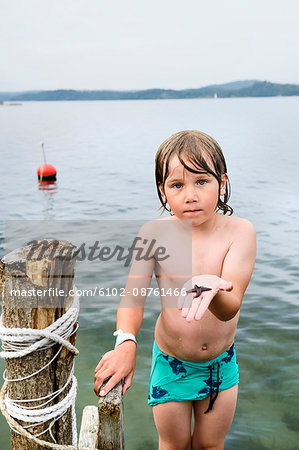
212 400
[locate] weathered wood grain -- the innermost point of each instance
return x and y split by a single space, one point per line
40 266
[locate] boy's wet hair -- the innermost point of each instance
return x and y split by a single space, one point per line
196 146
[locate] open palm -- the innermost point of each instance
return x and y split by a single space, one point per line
193 307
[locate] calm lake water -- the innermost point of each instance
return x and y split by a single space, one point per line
104 154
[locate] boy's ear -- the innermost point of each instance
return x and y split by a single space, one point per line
162 193
224 179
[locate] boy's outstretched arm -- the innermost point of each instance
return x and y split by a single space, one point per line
225 297
237 267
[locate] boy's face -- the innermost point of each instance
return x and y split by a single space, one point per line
191 195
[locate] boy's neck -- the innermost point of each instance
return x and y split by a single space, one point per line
207 227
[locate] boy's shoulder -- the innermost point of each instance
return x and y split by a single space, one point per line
237 221
238 225
152 224
151 227
167 218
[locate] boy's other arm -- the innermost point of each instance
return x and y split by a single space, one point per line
237 267
120 362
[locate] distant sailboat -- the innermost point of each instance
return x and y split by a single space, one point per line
215 95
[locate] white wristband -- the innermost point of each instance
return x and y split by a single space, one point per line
122 337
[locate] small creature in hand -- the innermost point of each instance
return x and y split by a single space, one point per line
198 290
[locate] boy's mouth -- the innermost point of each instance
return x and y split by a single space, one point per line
192 211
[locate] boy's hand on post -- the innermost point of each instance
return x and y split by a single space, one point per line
193 307
116 364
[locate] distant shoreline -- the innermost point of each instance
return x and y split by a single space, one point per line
10 104
236 89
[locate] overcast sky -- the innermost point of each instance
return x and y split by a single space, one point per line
138 44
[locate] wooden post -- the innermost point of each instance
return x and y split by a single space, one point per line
111 420
89 428
41 265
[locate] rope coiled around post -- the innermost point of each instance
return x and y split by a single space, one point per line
18 342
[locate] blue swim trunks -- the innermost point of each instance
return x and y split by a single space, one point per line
175 380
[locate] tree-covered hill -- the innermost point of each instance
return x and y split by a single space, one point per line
247 88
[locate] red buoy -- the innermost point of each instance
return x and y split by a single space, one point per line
46 172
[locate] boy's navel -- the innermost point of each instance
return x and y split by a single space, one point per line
204 347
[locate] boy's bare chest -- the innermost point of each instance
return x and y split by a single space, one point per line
208 256
201 256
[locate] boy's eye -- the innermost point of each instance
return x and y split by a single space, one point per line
202 182
177 185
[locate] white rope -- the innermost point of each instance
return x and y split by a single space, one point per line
30 414
18 342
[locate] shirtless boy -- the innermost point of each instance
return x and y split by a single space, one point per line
194 364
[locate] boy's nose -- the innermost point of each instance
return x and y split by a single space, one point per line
191 194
